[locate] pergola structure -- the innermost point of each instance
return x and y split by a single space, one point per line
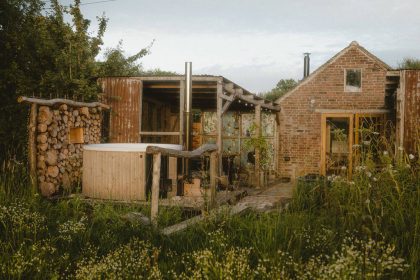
129 98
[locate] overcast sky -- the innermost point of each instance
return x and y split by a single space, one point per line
256 43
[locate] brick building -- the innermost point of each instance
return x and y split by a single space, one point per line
322 120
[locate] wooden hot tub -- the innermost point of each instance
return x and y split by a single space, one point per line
117 171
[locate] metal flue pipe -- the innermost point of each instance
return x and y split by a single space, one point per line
306 65
188 114
188 106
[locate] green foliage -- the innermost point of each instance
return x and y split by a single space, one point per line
258 142
116 63
409 63
282 87
43 55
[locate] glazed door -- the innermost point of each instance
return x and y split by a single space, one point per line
337 143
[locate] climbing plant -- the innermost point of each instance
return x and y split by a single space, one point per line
258 142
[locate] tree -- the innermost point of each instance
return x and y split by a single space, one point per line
282 87
116 63
42 55
409 63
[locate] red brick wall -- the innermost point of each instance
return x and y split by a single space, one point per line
300 125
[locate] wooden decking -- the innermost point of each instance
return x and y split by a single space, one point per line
275 196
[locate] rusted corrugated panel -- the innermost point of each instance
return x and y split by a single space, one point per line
412 111
123 95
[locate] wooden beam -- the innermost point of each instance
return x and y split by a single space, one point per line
202 150
177 86
213 175
57 101
227 97
219 140
226 107
155 189
248 97
239 91
352 111
257 150
177 78
229 86
393 73
32 145
160 133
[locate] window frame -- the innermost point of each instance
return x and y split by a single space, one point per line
345 80
76 135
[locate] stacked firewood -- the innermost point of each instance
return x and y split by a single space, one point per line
59 158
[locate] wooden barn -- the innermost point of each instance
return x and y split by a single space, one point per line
154 109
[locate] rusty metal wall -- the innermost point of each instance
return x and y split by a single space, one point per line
412 111
123 95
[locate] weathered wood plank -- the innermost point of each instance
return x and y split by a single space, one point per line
160 133
213 175
207 148
257 150
236 209
56 101
32 145
155 189
219 140
226 107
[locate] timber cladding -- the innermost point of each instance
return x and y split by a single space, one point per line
300 117
124 97
411 111
114 175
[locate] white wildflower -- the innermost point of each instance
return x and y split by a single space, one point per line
411 156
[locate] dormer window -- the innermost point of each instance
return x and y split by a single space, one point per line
353 80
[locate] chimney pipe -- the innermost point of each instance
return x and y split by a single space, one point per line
306 65
188 105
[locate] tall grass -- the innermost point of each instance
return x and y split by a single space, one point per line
366 228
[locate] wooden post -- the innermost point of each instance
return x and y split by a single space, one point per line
155 189
213 175
219 140
32 145
257 150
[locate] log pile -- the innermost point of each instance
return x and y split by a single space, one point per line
59 156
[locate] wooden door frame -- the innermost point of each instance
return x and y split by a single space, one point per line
324 117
